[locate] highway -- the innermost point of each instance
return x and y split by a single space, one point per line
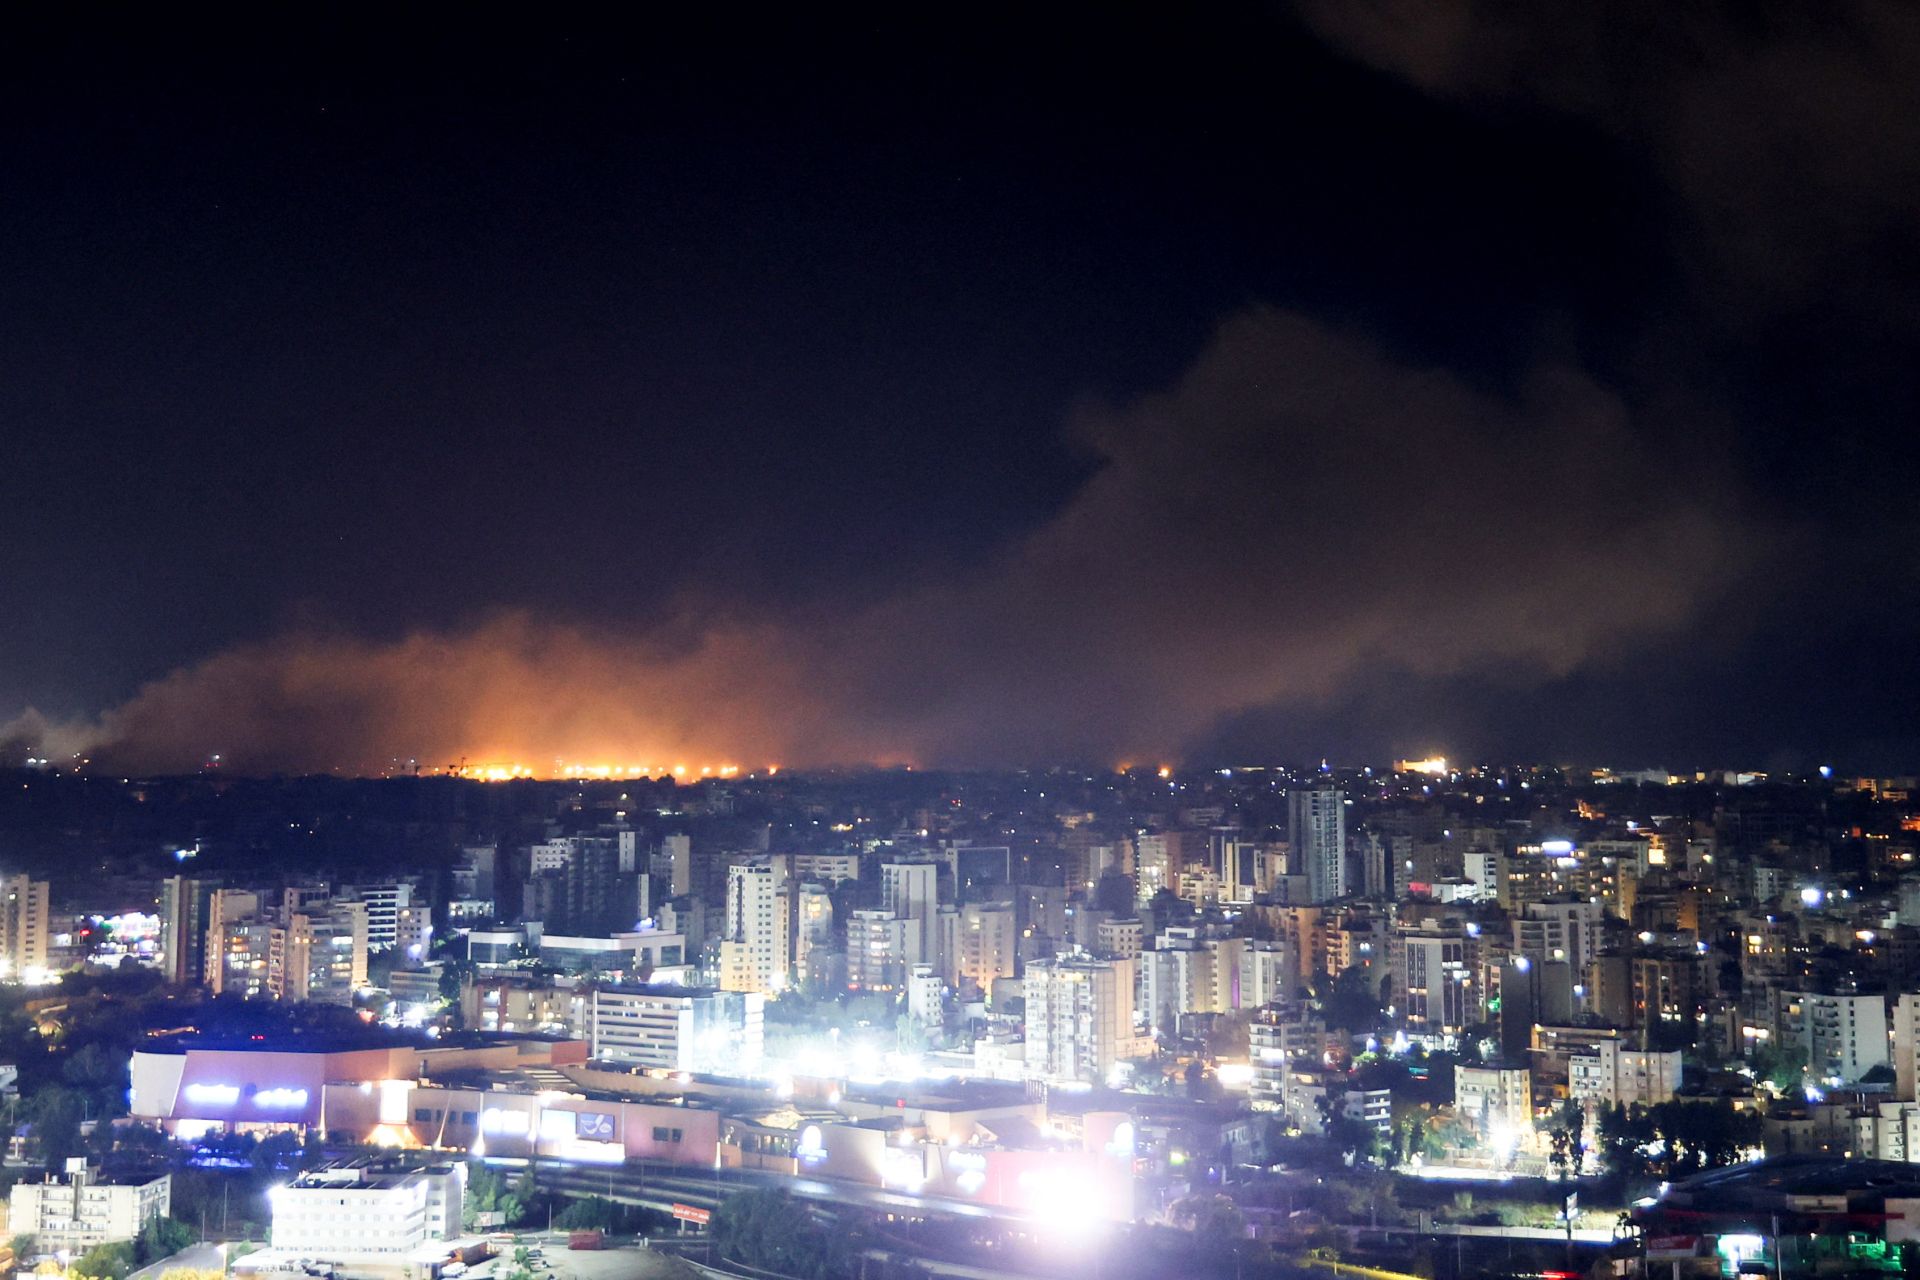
660 1186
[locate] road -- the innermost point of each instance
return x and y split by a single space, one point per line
1581 1235
661 1186
201 1257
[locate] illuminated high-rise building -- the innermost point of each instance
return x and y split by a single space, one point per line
876 951
1318 839
24 905
982 944
910 890
1079 1018
319 954
754 950
239 939
183 929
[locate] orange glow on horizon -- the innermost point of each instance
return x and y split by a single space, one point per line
510 771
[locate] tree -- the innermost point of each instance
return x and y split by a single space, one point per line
454 972
1355 1140
593 1211
487 1193
1420 1137
141 1142
1215 1221
55 1113
100 1072
1703 1135
1114 892
106 1261
162 1238
769 1229
1348 1004
1623 1136
526 1191
1201 1087
1567 1141
277 1152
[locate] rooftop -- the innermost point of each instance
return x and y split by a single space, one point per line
1780 1184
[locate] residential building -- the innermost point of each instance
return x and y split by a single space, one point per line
910 890
525 1006
1906 1045
1559 930
926 996
876 951
384 903
1317 835
239 943
982 944
812 923
24 933
183 929
1187 972
1079 1017
1269 972
1122 939
1610 1074
319 954
1845 1036
1281 1044
79 1209
1433 977
754 950
1497 1101
676 851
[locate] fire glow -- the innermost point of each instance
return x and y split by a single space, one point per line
572 771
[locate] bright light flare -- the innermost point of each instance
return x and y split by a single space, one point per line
1234 1075
1062 1210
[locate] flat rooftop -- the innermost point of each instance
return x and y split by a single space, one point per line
348 1042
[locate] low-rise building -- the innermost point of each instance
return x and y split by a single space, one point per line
212 1086
343 1212
1497 1102
526 1005
677 1028
79 1209
1611 1074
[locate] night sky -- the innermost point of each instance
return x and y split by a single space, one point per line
961 387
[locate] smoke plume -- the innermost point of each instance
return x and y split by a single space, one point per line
1299 509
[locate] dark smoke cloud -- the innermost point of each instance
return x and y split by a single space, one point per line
1790 134
1301 509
